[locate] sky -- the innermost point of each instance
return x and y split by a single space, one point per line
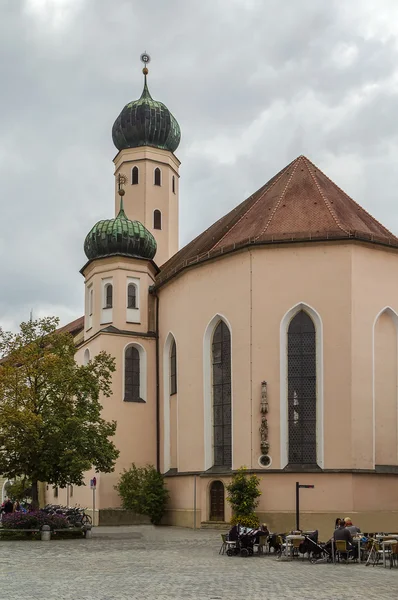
253 84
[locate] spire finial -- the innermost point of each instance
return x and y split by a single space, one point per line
121 181
145 58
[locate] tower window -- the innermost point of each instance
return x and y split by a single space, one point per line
173 369
108 295
173 184
134 176
132 374
157 219
131 296
90 302
158 176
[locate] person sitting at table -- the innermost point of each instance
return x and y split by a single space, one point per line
262 531
351 528
337 523
342 533
233 533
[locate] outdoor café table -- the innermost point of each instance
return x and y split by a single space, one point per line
289 542
389 542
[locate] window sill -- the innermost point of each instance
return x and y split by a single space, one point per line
137 400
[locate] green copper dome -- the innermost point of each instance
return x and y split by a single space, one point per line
119 236
146 122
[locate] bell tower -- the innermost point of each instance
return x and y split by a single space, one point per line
146 135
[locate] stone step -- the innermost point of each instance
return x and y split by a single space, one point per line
218 525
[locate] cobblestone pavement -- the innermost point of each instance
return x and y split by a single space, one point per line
171 563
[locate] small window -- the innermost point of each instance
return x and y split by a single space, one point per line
90 302
71 491
131 296
158 177
86 358
132 374
173 369
173 184
157 219
134 176
56 492
108 295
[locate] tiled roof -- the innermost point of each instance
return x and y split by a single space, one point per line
299 204
73 327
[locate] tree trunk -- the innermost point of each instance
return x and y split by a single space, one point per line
35 494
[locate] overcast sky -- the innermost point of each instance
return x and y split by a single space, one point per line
253 84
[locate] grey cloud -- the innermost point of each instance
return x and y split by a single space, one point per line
220 66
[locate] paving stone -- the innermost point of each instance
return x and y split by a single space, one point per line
150 563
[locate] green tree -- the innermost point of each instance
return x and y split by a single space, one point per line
20 489
243 494
50 412
142 490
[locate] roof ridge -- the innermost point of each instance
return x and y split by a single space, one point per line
350 198
280 199
323 196
253 205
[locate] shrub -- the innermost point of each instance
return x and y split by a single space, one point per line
33 520
243 494
142 490
251 521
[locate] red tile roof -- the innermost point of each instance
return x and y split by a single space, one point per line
299 204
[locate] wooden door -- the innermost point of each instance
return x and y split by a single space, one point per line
217 501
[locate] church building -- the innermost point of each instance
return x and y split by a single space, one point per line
269 341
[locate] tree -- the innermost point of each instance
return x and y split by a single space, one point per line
20 489
50 413
142 490
243 494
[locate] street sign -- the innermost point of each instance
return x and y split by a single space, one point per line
93 483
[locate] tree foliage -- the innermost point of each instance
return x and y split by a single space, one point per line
142 490
243 494
20 489
51 427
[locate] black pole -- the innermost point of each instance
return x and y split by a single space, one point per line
297 506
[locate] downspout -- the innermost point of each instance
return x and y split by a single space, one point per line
157 386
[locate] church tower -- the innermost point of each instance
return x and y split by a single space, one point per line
146 135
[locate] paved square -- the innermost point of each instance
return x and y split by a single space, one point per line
170 563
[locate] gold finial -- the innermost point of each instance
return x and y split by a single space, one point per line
145 71
121 181
145 58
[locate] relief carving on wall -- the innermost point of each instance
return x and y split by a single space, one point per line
264 443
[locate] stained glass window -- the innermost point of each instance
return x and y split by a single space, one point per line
222 434
173 368
132 374
302 390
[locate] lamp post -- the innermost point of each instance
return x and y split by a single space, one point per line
298 486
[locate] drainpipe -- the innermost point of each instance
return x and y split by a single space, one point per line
157 387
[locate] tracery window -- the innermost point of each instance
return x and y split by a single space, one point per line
222 417
302 413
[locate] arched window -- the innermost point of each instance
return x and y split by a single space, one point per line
302 413
108 296
157 176
173 184
157 219
173 368
132 374
221 361
86 357
132 296
134 176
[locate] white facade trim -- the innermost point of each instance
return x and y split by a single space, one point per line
106 313
89 306
284 434
143 369
394 316
208 391
166 402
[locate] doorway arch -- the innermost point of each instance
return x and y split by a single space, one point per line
217 501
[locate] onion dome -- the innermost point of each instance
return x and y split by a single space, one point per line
119 236
146 122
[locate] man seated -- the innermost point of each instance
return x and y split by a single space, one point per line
343 533
351 528
260 532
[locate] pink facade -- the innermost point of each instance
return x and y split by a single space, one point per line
328 306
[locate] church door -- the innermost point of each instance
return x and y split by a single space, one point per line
217 501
